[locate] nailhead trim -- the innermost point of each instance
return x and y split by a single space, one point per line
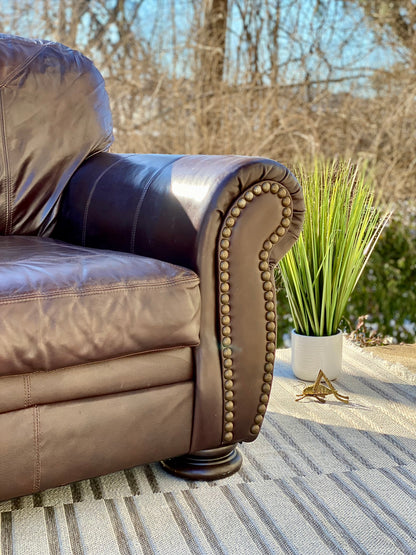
270 315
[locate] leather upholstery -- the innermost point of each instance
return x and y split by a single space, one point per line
143 327
172 208
63 305
117 375
56 443
54 113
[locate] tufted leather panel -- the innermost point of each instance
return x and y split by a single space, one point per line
54 113
63 305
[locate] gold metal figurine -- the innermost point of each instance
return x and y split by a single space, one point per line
320 391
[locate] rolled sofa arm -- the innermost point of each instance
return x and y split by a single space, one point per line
230 219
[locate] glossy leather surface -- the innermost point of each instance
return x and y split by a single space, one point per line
63 305
54 113
81 395
57 443
117 375
171 208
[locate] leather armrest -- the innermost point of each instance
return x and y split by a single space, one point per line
160 205
229 218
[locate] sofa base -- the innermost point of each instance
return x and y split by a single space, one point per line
210 464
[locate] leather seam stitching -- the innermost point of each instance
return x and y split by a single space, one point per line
24 65
36 432
138 353
29 389
27 394
8 207
52 295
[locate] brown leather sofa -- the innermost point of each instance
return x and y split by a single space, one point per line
137 301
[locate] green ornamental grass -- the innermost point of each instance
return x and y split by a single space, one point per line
343 222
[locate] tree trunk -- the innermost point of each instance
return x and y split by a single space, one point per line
211 62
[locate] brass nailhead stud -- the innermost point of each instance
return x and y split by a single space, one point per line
229 384
224 265
270 317
264 265
266 277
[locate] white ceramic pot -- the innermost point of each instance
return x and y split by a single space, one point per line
311 354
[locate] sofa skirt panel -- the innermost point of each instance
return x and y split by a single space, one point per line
48 445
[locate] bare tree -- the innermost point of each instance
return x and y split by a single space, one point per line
279 78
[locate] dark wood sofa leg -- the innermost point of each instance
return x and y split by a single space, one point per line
210 464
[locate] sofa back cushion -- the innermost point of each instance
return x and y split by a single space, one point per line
54 113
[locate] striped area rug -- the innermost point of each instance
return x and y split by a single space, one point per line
320 479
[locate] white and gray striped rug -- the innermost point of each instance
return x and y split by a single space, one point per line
330 478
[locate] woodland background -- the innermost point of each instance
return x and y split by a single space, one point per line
286 79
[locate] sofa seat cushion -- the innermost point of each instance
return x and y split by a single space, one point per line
63 305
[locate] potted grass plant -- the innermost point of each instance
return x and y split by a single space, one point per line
342 224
